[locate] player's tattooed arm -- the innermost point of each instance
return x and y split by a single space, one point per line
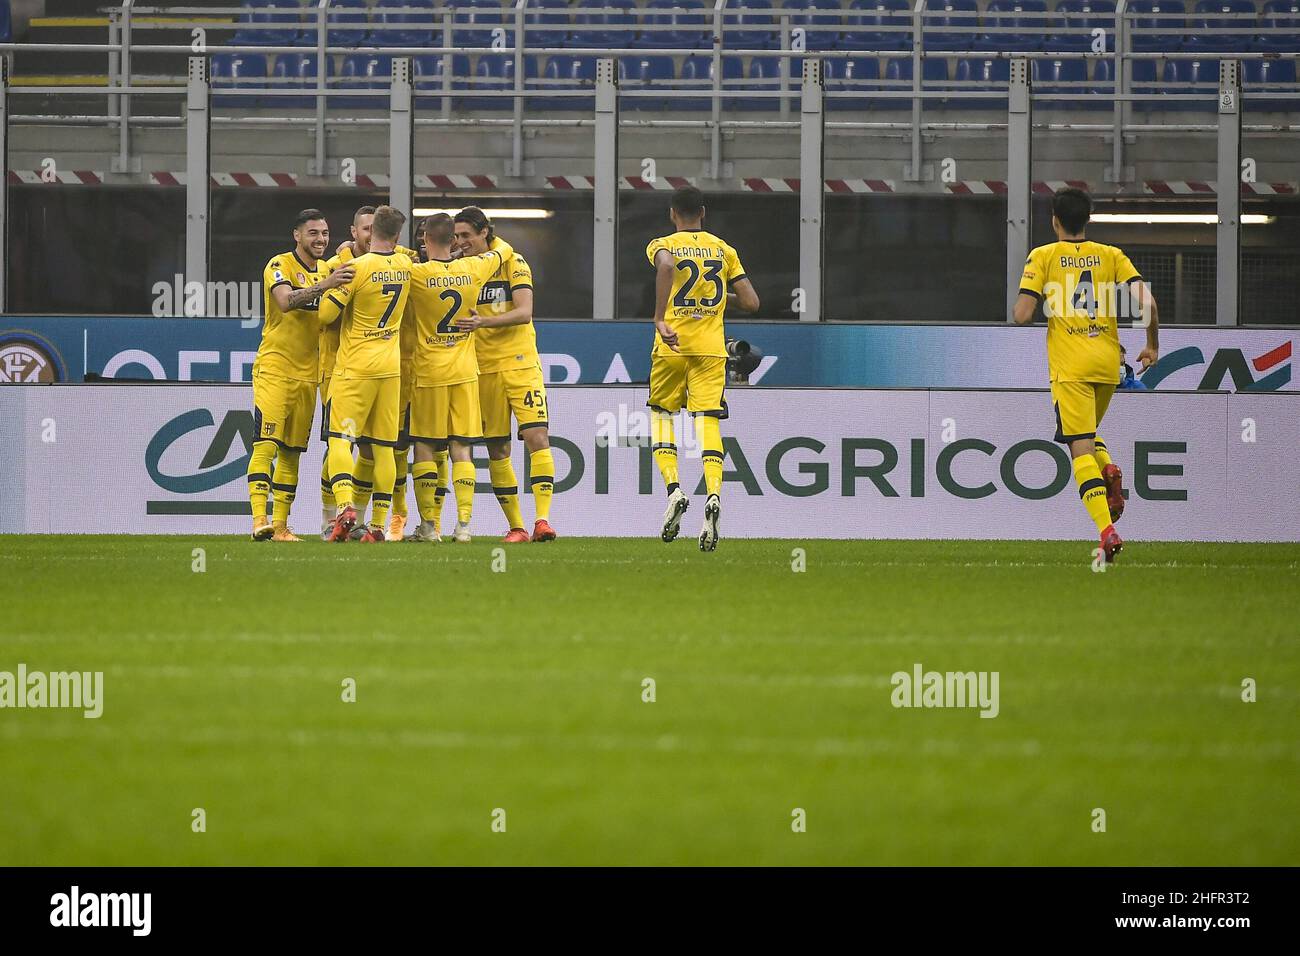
664 269
289 299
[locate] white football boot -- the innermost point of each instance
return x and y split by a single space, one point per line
677 505
709 533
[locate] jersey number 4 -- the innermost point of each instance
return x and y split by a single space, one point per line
712 273
1085 297
393 289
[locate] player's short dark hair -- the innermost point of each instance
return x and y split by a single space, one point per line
477 220
306 216
688 202
388 222
439 228
1072 208
363 211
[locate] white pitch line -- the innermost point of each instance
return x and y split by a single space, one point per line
813 747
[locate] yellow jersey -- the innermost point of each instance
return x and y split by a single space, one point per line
514 346
1083 289
371 306
443 291
705 268
329 334
290 340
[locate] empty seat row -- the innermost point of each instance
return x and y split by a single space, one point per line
950 25
668 81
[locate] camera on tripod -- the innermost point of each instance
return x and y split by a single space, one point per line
742 359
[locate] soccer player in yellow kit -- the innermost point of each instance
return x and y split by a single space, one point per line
365 388
695 274
1084 286
285 371
510 378
445 416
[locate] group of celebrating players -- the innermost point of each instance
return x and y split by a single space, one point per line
430 354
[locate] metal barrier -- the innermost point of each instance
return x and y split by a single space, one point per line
127 21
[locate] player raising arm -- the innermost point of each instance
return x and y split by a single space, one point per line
694 272
286 370
364 393
1084 287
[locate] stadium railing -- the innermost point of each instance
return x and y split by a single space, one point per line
811 55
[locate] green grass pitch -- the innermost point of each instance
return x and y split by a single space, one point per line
522 690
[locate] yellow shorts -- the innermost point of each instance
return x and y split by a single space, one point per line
695 381
517 391
365 409
1079 408
439 412
282 410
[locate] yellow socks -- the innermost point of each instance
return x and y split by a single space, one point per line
326 489
709 432
363 481
1101 454
442 459
424 475
541 478
284 486
462 478
1092 490
399 483
259 477
663 445
385 468
506 487
340 470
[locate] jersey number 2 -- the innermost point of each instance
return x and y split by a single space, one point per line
452 296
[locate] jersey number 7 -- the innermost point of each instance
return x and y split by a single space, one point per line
393 289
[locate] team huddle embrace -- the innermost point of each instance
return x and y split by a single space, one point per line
415 359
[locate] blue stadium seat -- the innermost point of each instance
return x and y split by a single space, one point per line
689 30
863 25
1068 77
742 29
1161 31
240 71
364 71
297 71
348 20
426 78
982 74
898 76
1270 76
857 75
497 71
765 76
596 30
1213 15
697 75
412 28
474 22
552 25
821 23
1283 18
269 23
6 23
1084 17
945 15
1203 73
566 72
1143 77
646 73
1012 15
